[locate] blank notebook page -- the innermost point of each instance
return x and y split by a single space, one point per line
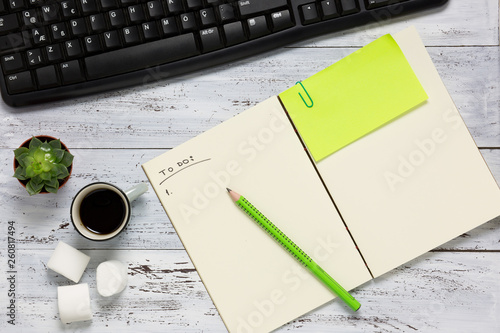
415 183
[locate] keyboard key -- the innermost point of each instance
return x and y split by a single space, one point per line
309 13
47 77
12 41
281 20
69 8
54 52
92 44
39 36
329 10
12 63
174 6
8 23
34 57
117 18
155 9
78 27
97 22
136 14
150 31
194 4
226 13
349 7
30 18
207 17
188 21
111 39
257 27
141 56
59 31
71 72
19 82
108 4
50 13
88 6
131 35
169 26
210 39
16 5
234 33
249 7
73 48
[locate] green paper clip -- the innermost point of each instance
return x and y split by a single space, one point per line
303 100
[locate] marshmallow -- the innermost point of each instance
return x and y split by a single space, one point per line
74 303
111 277
68 261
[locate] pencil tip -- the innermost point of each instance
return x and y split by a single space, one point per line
228 189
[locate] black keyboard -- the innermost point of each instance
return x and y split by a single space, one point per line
54 49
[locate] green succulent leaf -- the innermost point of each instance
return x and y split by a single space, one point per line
46 176
59 155
30 173
46 147
39 155
37 180
34 188
56 144
20 173
20 151
53 182
67 159
35 143
36 167
25 160
51 189
47 166
61 170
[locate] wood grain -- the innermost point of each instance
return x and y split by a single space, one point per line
167 113
454 288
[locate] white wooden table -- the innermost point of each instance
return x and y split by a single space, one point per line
455 288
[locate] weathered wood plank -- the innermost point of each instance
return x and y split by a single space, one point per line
166 113
43 220
439 292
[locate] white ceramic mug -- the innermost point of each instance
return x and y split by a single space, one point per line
102 203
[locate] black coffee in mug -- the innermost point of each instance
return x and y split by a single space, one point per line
102 211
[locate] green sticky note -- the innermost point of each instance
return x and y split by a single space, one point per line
353 97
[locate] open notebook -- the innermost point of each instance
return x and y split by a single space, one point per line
361 194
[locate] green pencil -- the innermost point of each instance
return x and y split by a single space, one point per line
294 250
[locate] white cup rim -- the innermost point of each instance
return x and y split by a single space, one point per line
75 211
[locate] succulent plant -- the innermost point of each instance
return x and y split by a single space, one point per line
43 164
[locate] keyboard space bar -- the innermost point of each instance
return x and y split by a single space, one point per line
141 56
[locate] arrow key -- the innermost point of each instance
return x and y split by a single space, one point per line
309 13
34 57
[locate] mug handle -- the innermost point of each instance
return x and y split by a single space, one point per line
135 191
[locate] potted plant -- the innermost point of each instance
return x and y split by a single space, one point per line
42 166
